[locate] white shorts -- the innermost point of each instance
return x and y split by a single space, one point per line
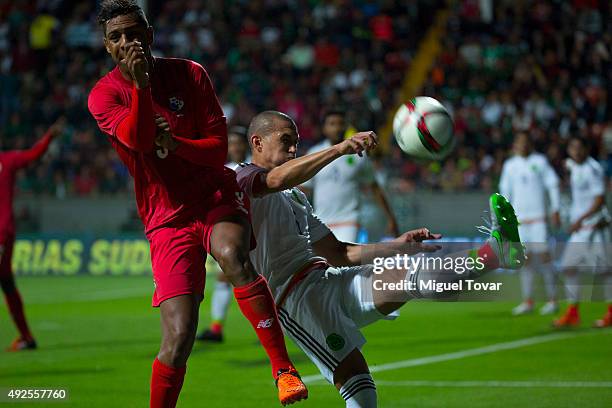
345 232
324 313
535 237
588 249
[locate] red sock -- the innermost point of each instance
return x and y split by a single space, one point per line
15 306
256 303
216 327
573 309
487 257
166 384
610 309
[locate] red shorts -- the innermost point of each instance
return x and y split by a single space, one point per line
178 252
6 253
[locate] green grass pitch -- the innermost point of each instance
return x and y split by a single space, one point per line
98 337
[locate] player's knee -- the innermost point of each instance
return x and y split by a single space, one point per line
353 364
234 263
7 284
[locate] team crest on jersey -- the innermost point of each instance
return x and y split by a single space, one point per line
176 104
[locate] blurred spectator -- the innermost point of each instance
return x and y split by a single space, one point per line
504 67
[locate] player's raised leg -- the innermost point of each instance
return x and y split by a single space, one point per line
503 249
230 245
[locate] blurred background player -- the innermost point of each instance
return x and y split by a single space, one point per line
10 162
525 180
322 304
163 118
237 152
337 188
588 248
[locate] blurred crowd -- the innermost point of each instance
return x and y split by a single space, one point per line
540 66
543 67
297 56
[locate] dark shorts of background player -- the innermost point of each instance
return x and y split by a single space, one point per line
178 252
6 253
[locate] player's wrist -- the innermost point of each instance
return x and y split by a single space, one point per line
142 82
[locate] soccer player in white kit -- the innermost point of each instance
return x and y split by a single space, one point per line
237 152
337 188
321 307
588 247
525 180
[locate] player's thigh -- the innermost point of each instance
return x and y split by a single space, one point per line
315 319
227 221
178 260
359 300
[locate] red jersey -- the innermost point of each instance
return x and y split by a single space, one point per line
10 162
169 186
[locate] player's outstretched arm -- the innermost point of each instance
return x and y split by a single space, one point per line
25 157
340 253
297 171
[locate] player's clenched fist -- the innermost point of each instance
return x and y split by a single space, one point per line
136 62
358 143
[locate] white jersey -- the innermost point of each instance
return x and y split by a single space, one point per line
587 182
285 228
525 181
232 165
336 188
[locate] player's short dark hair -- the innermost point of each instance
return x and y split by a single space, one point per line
110 9
264 122
333 112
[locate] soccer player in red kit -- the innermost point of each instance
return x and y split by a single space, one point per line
163 118
10 162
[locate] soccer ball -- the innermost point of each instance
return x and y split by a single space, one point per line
423 128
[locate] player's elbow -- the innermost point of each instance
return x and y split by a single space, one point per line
276 180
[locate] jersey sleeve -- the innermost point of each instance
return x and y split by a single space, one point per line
250 178
210 147
21 158
133 126
316 227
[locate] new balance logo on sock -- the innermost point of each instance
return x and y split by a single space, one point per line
265 324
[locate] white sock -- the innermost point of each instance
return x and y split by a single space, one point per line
572 288
548 273
527 282
220 301
359 392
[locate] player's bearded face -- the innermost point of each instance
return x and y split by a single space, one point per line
125 29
